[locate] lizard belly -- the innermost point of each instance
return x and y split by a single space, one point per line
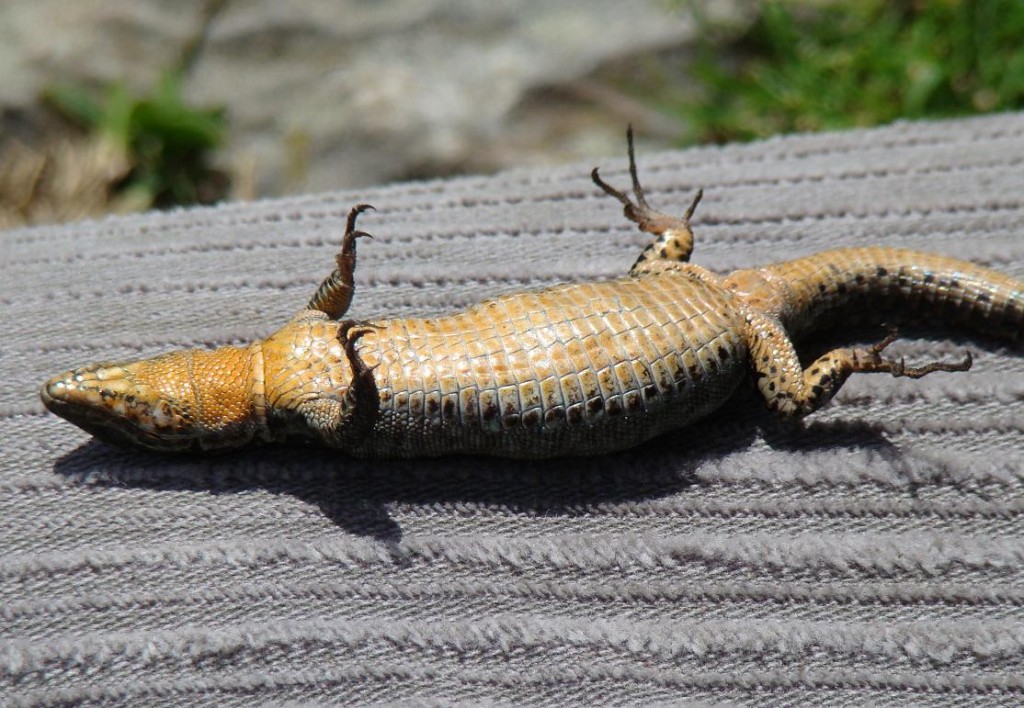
573 370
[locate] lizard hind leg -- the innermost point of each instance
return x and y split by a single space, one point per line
792 390
673 239
334 295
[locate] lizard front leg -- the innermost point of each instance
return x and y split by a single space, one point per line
790 389
362 399
335 294
340 414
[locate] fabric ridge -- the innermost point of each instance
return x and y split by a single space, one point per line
872 555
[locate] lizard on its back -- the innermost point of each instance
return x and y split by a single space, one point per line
575 369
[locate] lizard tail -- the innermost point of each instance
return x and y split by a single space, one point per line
885 283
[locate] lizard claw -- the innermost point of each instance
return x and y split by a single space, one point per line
640 212
334 295
350 222
892 336
361 398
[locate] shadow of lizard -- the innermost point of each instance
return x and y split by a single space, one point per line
357 495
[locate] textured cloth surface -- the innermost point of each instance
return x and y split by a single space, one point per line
874 555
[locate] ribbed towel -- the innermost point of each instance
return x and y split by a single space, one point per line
875 556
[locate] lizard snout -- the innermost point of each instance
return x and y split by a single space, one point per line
117 403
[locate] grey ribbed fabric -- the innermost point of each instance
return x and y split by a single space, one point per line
874 556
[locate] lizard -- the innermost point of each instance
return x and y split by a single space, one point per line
576 369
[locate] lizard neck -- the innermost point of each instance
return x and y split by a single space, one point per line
230 400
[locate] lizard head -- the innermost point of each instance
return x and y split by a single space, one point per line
176 402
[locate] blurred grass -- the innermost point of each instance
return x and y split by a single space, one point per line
805 66
167 142
126 151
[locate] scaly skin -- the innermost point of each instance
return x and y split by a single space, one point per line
578 369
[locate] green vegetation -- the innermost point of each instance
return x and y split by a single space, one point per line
805 65
167 142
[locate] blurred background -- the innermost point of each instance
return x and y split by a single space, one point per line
124 105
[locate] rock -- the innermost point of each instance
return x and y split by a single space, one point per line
324 94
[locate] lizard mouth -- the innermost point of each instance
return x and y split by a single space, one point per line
94 403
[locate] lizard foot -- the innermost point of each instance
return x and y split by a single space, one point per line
673 237
334 295
791 389
874 361
362 399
